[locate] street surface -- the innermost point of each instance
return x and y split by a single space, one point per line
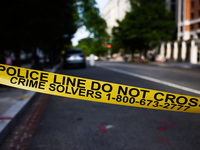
84 125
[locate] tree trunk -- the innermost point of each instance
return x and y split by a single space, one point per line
17 57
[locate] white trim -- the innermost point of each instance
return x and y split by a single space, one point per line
189 22
155 80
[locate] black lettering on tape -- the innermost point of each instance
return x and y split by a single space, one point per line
60 88
72 83
74 91
18 74
27 73
21 81
27 82
144 93
33 84
81 83
95 85
134 92
66 91
82 92
63 80
193 102
41 85
11 71
170 97
107 87
13 82
55 80
90 92
44 76
157 96
181 100
124 91
2 68
98 95
32 76
52 87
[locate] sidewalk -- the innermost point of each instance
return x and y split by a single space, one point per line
12 102
180 65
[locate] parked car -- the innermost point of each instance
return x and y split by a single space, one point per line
74 57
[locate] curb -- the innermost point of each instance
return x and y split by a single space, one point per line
16 110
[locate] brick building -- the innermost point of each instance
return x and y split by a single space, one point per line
188 19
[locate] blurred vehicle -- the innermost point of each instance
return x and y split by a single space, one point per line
74 57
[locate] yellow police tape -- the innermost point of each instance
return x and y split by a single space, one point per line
93 90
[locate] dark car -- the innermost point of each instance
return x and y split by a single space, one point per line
74 57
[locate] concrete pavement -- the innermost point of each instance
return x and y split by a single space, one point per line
179 65
12 103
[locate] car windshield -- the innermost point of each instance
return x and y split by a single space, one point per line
73 51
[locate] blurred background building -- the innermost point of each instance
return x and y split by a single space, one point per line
115 10
187 18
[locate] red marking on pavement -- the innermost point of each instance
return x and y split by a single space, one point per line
161 128
21 135
169 123
6 118
162 140
102 129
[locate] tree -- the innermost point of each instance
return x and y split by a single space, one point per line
90 17
145 26
30 24
46 24
91 46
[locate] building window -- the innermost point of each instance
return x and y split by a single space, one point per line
181 28
198 35
191 27
192 4
182 9
192 15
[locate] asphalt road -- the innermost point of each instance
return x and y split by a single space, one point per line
71 124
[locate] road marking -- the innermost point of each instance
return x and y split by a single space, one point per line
155 80
6 118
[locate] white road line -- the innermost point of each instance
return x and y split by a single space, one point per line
155 80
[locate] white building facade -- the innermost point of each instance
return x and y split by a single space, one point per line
115 10
187 17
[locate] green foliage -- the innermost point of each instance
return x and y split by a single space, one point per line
30 24
90 17
46 24
144 27
91 46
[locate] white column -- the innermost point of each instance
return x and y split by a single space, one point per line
168 51
175 55
193 53
183 51
162 50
